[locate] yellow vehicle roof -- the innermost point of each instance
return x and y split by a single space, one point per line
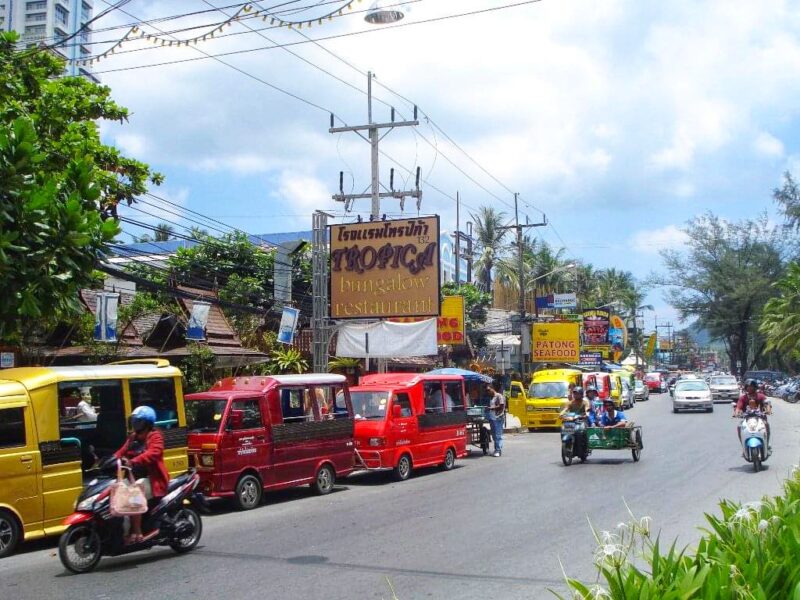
555 374
35 377
11 389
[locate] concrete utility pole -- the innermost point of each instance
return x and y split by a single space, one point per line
375 193
519 227
460 236
374 139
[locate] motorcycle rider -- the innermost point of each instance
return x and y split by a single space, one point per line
143 451
753 400
577 404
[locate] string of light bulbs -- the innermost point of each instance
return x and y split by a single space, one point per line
247 11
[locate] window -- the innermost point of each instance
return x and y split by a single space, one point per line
433 397
158 394
329 401
204 416
35 29
94 413
251 413
36 6
36 17
293 405
12 428
453 397
339 404
62 15
404 402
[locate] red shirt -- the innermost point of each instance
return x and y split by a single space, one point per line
741 405
152 459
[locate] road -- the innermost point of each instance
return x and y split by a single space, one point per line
493 527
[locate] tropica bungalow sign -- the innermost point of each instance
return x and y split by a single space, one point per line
385 269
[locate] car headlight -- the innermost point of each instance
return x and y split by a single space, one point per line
529 408
207 460
376 441
87 503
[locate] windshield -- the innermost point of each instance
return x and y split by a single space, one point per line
204 416
691 386
548 389
723 381
639 384
370 405
652 377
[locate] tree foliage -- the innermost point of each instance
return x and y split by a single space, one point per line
489 244
476 306
724 278
781 320
57 183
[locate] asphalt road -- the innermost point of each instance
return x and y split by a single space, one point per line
493 527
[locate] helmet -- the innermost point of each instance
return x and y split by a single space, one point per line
609 402
577 390
141 417
751 381
591 388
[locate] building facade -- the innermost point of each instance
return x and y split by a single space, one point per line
48 22
447 255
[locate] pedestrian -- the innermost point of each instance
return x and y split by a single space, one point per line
497 413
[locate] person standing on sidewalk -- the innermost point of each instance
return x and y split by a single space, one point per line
497 413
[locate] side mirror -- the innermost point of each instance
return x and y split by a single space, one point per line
236 419
397 410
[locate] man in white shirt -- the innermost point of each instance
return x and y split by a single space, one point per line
85 412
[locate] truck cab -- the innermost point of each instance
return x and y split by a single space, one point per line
405 421
547 395
257 433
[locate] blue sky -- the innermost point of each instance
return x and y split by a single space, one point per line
619 119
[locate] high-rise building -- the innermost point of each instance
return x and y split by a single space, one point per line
48 21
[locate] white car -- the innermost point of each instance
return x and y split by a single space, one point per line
692 394
724 388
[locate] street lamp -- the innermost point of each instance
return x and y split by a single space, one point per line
378 15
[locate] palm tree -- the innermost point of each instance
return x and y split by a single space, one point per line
780 323
164 232
489 243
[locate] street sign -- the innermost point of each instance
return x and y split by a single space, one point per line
591 359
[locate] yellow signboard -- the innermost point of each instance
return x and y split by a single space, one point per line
651 346
556 342
385 269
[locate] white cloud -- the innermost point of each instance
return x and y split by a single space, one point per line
132 144
650 241
768 145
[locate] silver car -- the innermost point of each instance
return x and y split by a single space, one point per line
641 391
692 394
724 388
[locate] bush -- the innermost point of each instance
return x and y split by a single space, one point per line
750 552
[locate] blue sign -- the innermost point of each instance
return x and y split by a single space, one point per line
288 325
593 359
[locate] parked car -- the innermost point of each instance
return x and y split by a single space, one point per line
692 394
655 382
641 391
724 388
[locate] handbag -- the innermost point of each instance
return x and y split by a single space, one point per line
127 496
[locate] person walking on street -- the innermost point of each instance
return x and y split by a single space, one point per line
497 413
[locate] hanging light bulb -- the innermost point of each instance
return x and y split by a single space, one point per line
379 15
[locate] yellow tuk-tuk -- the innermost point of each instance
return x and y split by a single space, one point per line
56 423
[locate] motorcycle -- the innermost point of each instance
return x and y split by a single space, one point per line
753 435
93 532
573 439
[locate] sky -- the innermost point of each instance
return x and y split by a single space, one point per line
618 119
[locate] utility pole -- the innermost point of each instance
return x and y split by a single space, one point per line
521 267
460 237
373 140
375 194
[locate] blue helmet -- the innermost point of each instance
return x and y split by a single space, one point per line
142 416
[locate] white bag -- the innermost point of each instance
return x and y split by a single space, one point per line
127 496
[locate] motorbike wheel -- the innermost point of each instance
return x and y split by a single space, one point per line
757 461
793 398
566 455
192 537
80 548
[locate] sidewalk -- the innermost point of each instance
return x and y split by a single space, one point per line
513 425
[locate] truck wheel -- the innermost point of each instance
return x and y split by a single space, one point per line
9 533
248 492
403 469
449 460
324 481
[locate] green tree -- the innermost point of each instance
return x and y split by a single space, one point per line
724 278
164 232
489 244
781 320
58 185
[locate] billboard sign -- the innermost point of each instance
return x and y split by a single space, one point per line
557 301
450 328
591 359
595 327
288 325
651 346
384 269
556 342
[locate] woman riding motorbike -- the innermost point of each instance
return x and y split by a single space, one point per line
143 451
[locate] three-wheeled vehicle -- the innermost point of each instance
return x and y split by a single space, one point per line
250 434
408 420
578 439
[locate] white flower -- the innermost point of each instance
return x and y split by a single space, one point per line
606 537
612 554
763 524
774 519
597 592
622 525
754 506
644 525
742 515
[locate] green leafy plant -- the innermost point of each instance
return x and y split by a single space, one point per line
749 552
289 360
198 368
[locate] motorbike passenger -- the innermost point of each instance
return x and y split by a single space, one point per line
753 400
611 417
591 398
143 451
577 404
